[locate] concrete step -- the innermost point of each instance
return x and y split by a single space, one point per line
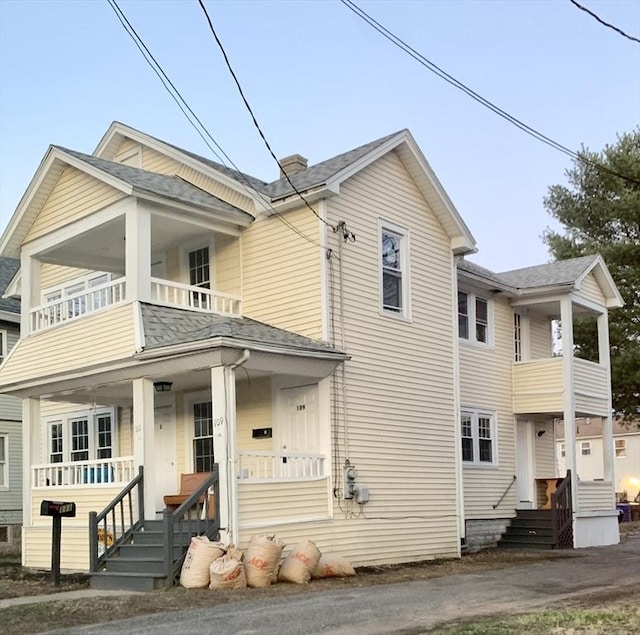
144 582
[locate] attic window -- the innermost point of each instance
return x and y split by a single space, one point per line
394 270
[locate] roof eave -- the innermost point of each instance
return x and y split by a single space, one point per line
613 299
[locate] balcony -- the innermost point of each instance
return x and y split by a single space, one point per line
75 306
538 387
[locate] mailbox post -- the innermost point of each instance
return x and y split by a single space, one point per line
57 510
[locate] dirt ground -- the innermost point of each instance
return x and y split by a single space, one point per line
16 582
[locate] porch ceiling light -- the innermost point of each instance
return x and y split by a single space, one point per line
162 386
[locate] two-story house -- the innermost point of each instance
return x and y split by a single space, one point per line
10 420
333 364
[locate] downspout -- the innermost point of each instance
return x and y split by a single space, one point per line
232 480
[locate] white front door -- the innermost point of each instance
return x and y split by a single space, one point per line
166 477
298 426
524 464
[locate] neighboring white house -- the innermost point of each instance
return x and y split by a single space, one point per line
10 420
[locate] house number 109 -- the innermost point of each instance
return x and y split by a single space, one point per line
218 421
300 406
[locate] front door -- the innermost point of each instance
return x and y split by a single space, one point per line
525 463
298 429
165 473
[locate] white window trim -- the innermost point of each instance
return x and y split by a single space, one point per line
585 445
194 245
85 280
189 400
405 268
4 465
4 345
563 451
471 315
623 447
91 415
475 413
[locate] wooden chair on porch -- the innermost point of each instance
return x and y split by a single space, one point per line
189 483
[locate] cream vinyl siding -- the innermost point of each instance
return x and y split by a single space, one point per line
74 547
57 275
595 496
111 333
591 388
281 273
253 411
399 395
540 342
537 386
74 196
544 451
157 162
125 147
590 289
485 383
206 183
11 498
227 264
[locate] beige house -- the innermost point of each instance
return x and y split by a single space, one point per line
302 354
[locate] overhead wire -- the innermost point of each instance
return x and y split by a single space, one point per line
200 128
607 24
255 121
431 66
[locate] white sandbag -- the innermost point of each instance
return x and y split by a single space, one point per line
227 572
261 559
300 563
195 569
333 566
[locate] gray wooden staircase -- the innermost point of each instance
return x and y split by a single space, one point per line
530 529
148 554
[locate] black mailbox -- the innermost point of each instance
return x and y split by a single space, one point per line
58 509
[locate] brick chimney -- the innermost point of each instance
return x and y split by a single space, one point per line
292 164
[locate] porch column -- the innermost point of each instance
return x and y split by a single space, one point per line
138 253
143 440
607 424
30 282
31 437
569 394
223 393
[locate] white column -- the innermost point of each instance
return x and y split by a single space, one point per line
569 394
143 440
138 253
30 283
31 436
607 424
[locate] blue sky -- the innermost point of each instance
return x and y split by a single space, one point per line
321 82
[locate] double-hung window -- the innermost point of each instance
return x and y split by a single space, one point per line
4 346
585 448
82 436
200 276
394 269
620 448
478 437
473 318
4 461
203 458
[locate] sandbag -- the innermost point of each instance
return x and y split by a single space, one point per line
195 569
300 563
333 566
227 572
261 560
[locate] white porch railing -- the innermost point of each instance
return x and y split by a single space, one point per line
101 471
77 305
185 296
280 465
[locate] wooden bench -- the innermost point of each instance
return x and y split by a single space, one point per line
189 483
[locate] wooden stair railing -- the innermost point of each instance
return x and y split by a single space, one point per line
562 514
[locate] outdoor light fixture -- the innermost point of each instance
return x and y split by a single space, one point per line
162 386
541 433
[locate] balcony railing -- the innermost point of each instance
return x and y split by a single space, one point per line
185 296
280 465
77 473
77 305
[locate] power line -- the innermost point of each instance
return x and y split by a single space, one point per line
421 59
255 121
200 128
599 19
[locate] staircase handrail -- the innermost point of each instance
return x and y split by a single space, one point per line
562 514
135 516
204 502
506 491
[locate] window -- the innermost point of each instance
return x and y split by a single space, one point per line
394 272
563 451
4 461
4 345
199 268
585 448
517 337
83 436
478 437
473 318
203 459
620 448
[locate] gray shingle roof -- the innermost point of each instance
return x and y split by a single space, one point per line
172 187
166 326
560 273
8 269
